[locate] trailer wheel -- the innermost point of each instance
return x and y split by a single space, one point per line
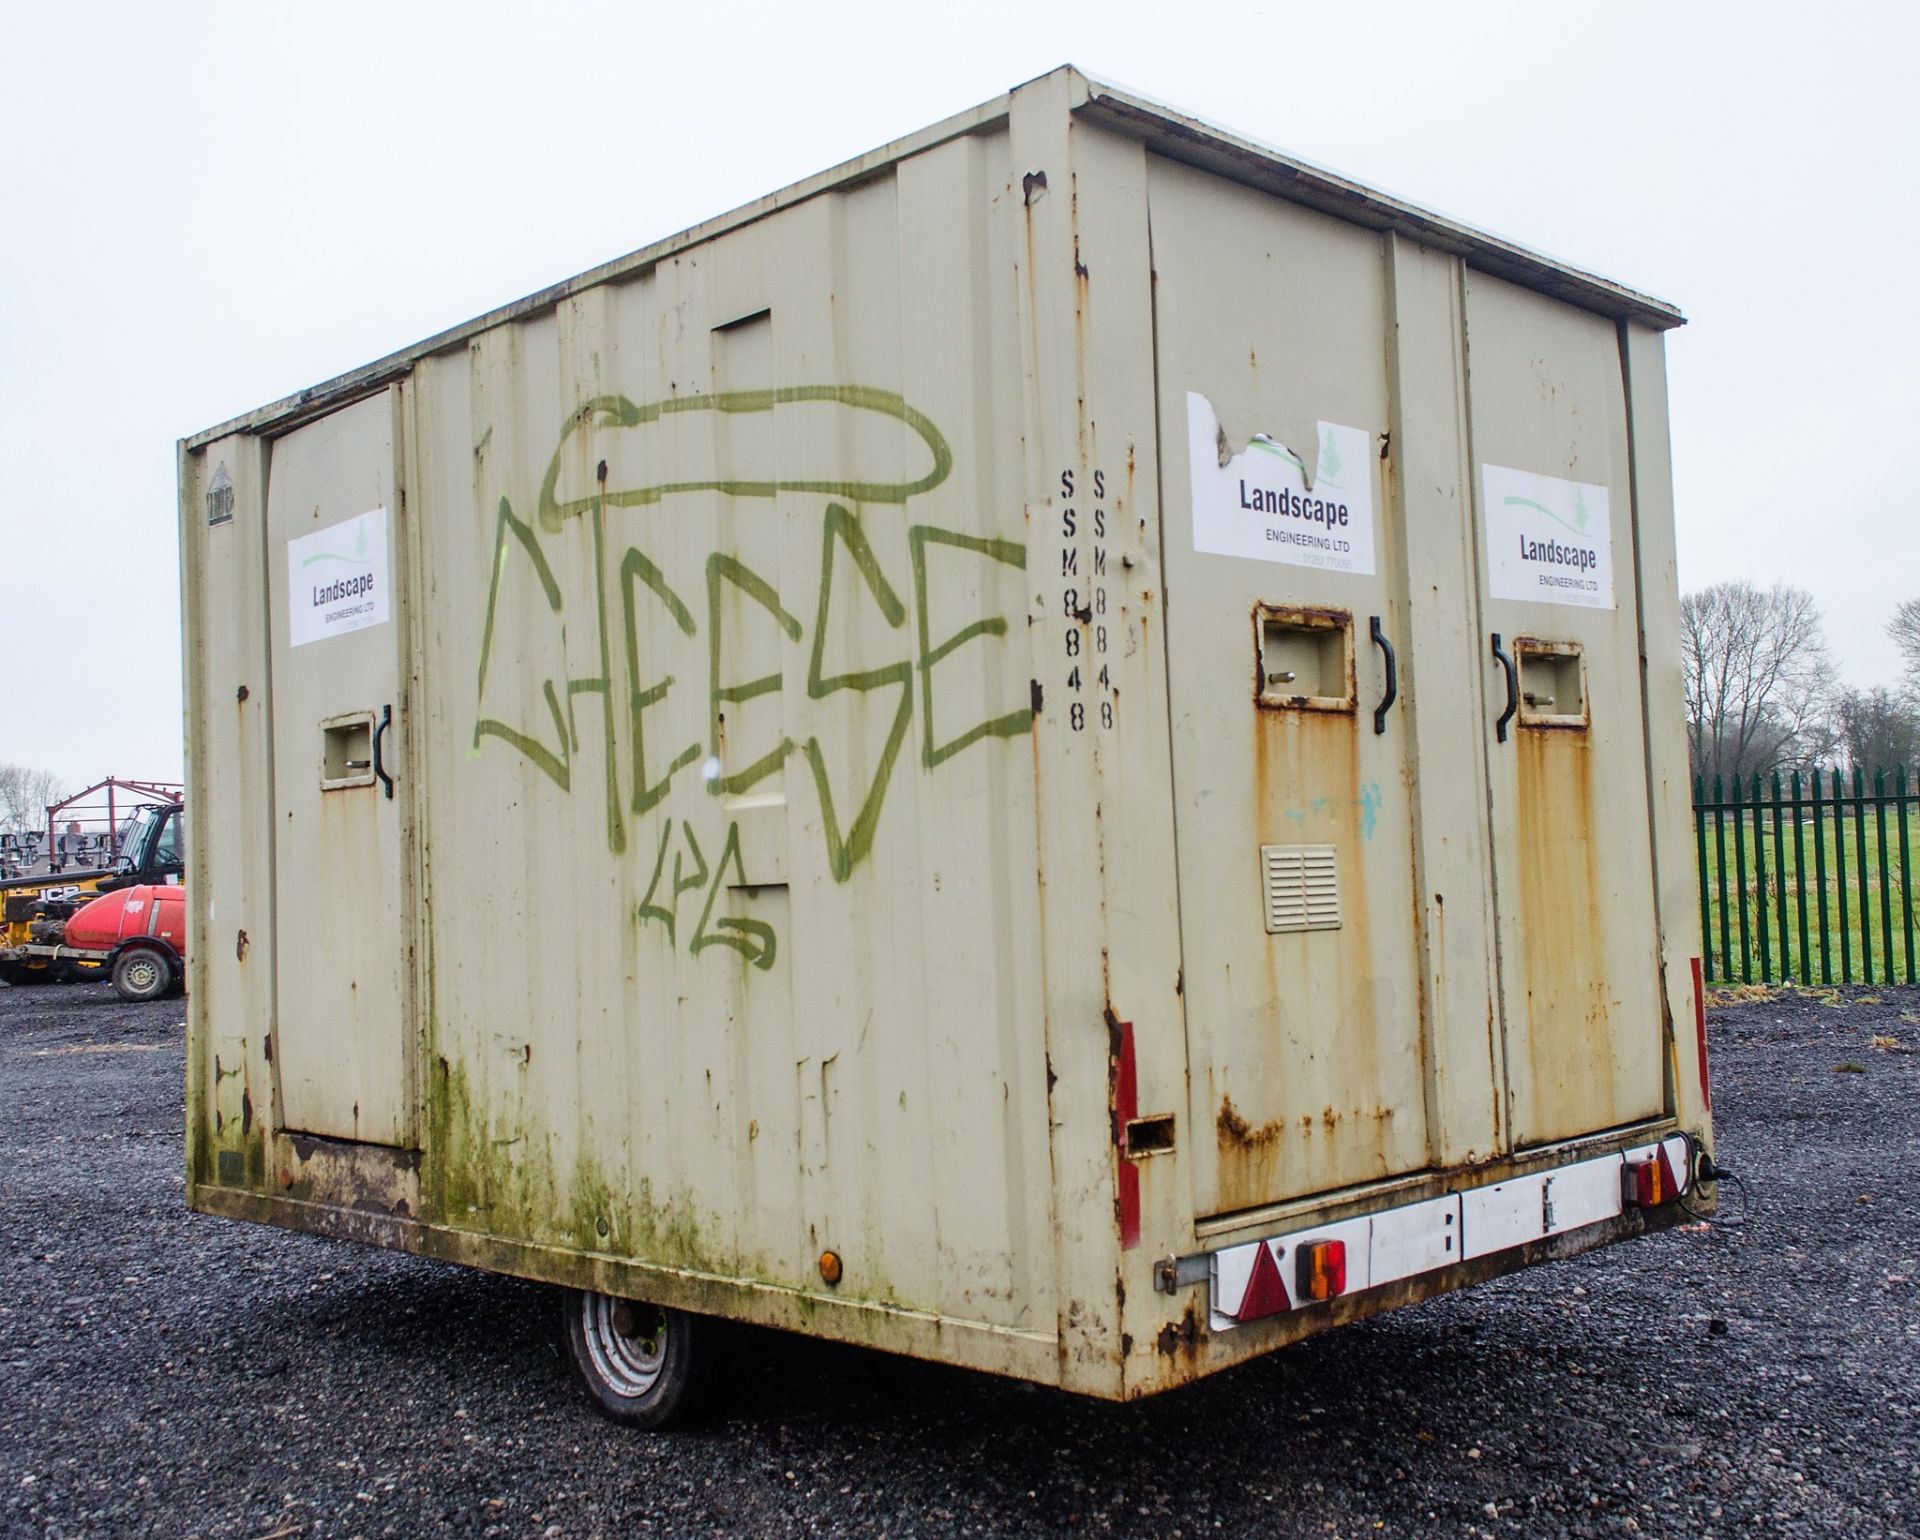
639 1362
141 974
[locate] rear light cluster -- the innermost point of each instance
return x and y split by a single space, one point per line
1648 1181
1319 1274
1321 1270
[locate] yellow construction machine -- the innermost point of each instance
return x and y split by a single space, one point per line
34 909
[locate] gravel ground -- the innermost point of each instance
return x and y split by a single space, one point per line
168 1374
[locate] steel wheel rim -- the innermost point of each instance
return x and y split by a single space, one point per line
628 1365
143 973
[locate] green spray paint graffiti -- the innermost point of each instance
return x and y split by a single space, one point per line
752 939
547 733
618 411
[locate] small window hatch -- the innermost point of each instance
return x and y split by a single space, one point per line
1553 683
1302 887
346 752
1303 659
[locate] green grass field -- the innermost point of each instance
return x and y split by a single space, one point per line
1755 870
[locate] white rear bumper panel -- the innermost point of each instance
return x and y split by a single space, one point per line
1422 1237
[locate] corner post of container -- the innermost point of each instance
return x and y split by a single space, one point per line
1114 1030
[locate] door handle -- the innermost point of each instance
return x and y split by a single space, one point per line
1513 690
1393 676
380 733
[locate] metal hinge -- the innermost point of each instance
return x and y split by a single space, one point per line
1171 1274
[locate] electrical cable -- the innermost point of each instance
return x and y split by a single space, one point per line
1707 1171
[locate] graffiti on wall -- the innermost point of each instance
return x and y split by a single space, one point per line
633 598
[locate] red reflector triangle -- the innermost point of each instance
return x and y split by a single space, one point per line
1266 1291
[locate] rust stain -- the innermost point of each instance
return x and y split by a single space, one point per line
1180 1339
1381 1022
1562 932
1500 1091
1236 1130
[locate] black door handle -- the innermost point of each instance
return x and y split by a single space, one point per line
379 733
1513 690
1393 677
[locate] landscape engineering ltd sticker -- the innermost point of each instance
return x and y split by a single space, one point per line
1548 540
337 579
1258 503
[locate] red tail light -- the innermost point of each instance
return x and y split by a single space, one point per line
1650 1182
1320 1270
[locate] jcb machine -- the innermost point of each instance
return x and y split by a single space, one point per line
1003 755
33 946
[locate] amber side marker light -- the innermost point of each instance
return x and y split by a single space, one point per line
1649 1183
1320 1270
830 1266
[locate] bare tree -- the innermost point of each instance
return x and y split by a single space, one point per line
1878 730
1904 628
24 795
1758 678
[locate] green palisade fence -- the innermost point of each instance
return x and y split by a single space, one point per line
1808 877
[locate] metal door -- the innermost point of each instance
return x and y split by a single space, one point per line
1579 972
1292 789
337 618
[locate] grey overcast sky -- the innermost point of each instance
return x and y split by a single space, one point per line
206 206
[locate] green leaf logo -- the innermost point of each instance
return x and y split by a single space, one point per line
1329 458
1578 523
357 559
1278 450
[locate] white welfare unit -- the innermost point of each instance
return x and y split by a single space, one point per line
1059 749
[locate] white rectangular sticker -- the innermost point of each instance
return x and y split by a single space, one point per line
1258 503
1548 541
337 579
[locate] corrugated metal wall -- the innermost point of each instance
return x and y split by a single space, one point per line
737 1012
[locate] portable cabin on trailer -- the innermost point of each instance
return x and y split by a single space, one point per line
1059 749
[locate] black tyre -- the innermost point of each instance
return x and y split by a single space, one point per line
142 974
641 1364
21 976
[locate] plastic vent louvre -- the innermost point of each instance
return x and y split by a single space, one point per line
1302 887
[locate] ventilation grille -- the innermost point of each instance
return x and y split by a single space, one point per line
1302 887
